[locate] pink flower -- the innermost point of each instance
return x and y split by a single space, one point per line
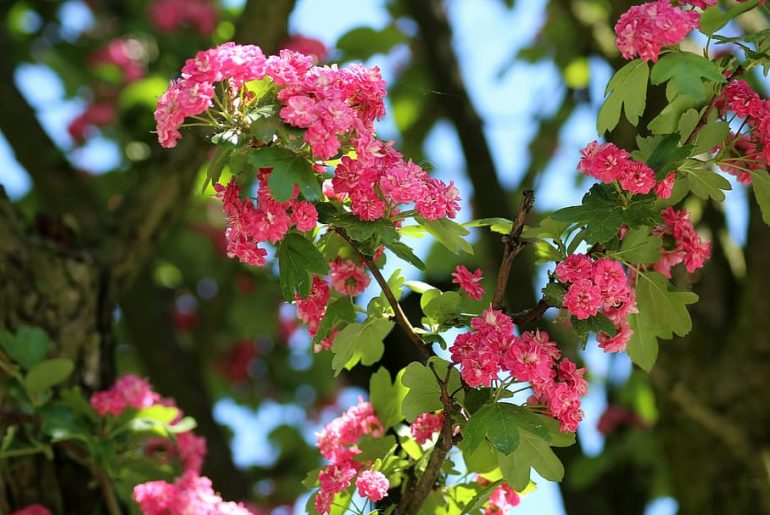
348 278
583 299
688 248
129 391
34 509
128 55
502 498
665 187
644 29
574 267
372 484
97 114
425 425
190 493
312 309
469 282
307 46
638 178
169 15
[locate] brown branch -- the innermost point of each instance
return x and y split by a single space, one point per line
528 316
416 496
513 245
401 318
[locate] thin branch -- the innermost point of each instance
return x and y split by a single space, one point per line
416 496
401 318
528 316
513 245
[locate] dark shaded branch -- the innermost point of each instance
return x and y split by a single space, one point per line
255 27
513 245
416 496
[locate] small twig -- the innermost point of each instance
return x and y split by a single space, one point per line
530 315
401 319
513 245
416 496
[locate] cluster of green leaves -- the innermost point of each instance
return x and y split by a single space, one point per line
40 419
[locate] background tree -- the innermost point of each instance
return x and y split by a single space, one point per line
125 270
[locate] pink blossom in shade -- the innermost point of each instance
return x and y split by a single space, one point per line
425 426
574 267
129 391
304 215
567 372
34 509
743 155
615 416
605 162
583 299
127 54
372 484
170 15
192 450
190 493
341 434
98 114
470 282
503 498
312 309
739 98
348 278
665 187
688 246
235 362
308 46
645 29
638 178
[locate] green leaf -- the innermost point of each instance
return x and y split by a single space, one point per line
216 165
363 42
46 374
667 155
533 452
386 397
440 306
661 307
714 18
687 123
497 224
297 259
450 234
289 169
760 183
481 498
424 395
372 448
360 342
711 135
595 324
705 183
685 70
28 347
547 228
553 293
667 122
499 423
638 246
340 310
643 346
405 252
627 89
603 213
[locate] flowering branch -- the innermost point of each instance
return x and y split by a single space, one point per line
513 245
401 318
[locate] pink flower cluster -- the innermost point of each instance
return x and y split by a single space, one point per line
348 278
97 114
503 498
703 4
335 106
269 220
377 182
608 163
135 392
491 347
688 248
749 151
129 391
337 443
190 493
34 509
169 15
599 286
425 426
470 282
127 54
616 416
307 46
645 29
